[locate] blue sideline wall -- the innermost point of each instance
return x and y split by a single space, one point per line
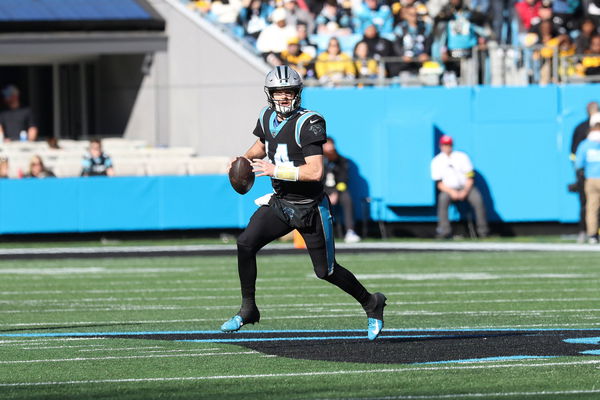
518 139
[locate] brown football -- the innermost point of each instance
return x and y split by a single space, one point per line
241 176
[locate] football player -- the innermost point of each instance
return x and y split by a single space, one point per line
292 139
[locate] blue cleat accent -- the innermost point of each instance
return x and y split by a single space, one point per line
375 326
234 324
374 311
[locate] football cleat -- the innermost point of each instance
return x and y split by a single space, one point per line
234 324
243 317
374 328
374 312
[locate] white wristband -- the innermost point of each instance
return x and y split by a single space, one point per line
286 173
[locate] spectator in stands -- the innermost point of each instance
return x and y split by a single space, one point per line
336 186
550 44
565 14
579 135
527 11
333 66
463 30
373 12
37 169
366 67
380 48
295 15
590 64
502 12
16 122
587 160
3 167
297 59
226 11
333 20
96 162
274 38
413 40
306 45
588 29
453 173
545 13
254 18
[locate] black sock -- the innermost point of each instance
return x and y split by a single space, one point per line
346 281
247 271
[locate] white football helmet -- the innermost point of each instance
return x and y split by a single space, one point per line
283 77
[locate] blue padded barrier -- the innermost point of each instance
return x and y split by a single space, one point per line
518 138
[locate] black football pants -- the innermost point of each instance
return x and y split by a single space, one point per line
265 226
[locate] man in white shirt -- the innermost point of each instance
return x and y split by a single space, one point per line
274 38
454 176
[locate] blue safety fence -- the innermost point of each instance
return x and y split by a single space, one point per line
518 139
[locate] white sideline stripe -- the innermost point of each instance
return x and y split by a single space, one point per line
473 395
420 246
53 360
482 365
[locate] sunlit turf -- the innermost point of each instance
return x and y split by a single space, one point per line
446 290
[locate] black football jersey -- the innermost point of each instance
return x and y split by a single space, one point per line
287 143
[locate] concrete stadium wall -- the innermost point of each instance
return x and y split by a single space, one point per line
518 138
204 91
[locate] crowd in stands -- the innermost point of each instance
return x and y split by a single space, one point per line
22 155
334 41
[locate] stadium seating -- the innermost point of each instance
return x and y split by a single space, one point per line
130 157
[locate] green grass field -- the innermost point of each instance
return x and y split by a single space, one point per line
445 290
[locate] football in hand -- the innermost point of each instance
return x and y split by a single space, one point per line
241 176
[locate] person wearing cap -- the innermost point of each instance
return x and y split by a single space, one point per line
587 159
297 59
16 123
274 38
454 176
579 135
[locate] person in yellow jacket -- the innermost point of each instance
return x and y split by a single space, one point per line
334 66
296 58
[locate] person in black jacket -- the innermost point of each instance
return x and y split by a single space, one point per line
336 187
579 135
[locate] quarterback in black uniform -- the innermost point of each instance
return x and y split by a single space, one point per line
292 138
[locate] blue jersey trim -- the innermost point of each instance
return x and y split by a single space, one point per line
300 122
262 117
275 126
327 223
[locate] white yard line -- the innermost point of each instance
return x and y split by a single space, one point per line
57 360
476 395
479 365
